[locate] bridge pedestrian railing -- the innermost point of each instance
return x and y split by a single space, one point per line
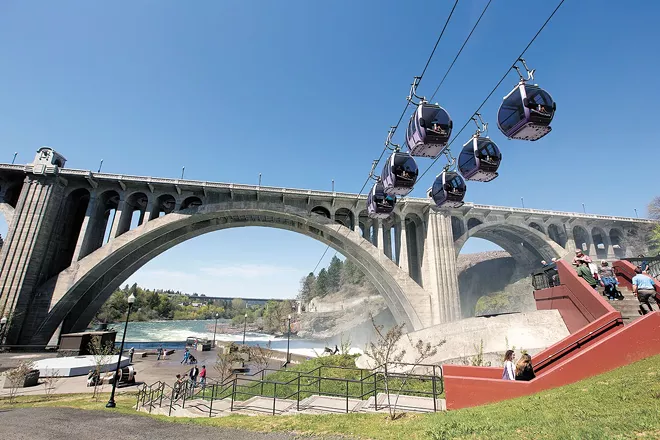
324 380
653 264
546 278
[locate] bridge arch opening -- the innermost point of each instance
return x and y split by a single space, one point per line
164 204
457 227
557 234
498 281
345 217
109 202
582 239
107 268
601 242
132 216
473 223
70 223
320 210
616 239
191 202
538 227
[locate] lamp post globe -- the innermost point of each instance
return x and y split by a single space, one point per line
111 401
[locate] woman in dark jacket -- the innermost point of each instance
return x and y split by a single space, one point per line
524 369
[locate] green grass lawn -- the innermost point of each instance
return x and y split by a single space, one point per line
331 375
621 404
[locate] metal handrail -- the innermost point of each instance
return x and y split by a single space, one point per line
302 381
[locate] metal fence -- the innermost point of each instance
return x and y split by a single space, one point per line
321 381
546 278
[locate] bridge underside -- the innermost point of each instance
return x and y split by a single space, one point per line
72 240
81 290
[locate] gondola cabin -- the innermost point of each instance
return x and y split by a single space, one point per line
379 204
399 174
479 159
448 190
428 130
526 113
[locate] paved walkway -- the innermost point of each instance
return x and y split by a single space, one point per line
148 369
74 424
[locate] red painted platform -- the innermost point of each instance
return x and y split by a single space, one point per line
598 342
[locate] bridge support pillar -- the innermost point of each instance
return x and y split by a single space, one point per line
27 254
387 242
118 220
402 245
439 275
87 239
379 226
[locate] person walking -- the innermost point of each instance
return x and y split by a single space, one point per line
524 368
160 353
643 289
194 372
186 356
177 386
584 272
509 367
202 376
131 352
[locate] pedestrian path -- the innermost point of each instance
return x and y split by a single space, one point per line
315 404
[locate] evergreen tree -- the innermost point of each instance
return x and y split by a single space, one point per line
307 287
334 274
321 285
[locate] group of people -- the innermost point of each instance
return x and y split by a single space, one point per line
521 370
602 276
643 285
188 358
194 374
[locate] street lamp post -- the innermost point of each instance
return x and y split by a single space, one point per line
111 402
523 202
14 159
288 339
244 327
636 215
3 323
584 209
215 327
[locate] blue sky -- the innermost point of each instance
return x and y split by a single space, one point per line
304 92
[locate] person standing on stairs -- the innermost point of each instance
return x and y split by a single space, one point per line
509 372
643 288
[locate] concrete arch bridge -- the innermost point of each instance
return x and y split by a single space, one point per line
58 265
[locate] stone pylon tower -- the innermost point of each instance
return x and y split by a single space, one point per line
26 258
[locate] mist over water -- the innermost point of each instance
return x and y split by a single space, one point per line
173 334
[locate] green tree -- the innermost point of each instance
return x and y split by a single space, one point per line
322 284
237 306
334 274
307 287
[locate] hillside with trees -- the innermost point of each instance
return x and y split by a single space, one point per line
339 275
167 304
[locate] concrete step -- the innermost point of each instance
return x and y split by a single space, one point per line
328 405
264 405
404 404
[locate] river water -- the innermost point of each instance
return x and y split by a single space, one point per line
173 334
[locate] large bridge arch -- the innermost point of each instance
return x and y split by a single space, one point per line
527 245
81 289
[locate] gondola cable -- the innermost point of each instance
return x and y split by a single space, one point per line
498 84
461 50
394 128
